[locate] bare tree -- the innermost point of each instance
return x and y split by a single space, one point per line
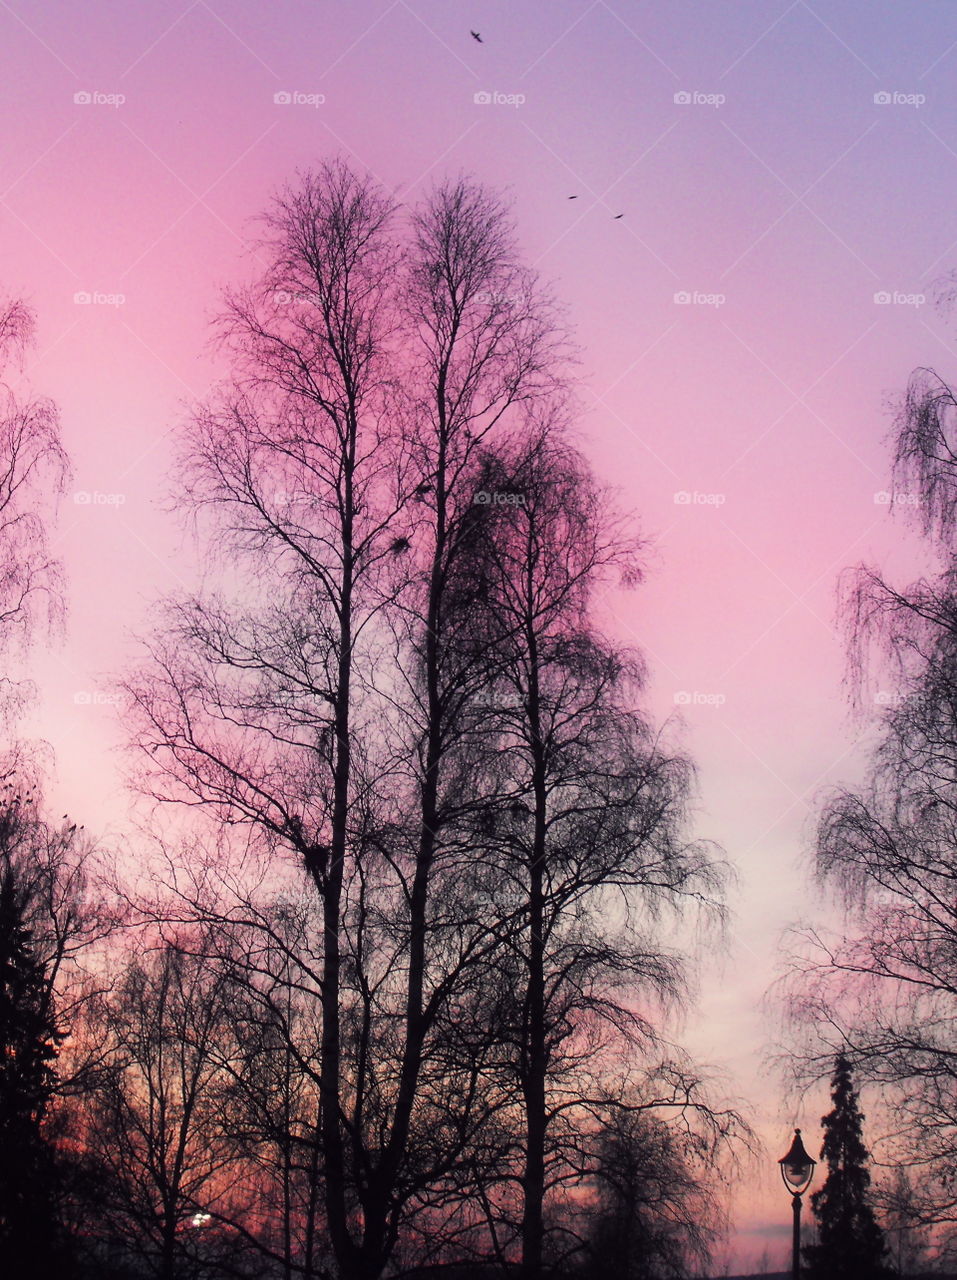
155 1124
250 707
908 1240
33 472
269 956
586 836
335 711
487 348
654 1212
883 993
251 710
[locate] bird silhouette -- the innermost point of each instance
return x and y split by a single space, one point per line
475 36
573 197
617 216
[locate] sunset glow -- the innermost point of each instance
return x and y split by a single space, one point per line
744 210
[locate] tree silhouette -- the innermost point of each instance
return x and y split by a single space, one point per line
33 471
360 715
156 1123
883 990
589 819
29 1039
653 1215
850 1242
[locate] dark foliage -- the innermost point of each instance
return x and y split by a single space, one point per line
850 1243
29 1041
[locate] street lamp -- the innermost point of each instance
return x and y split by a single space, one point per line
797 1170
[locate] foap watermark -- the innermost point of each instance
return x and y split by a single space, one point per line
498 498
93 498
693 498
94 98
497 298
896 298
495 98
696 698
896 498
298 98
500 701
890 698
94 698
887 98
290 298
85 298
693 298
695 98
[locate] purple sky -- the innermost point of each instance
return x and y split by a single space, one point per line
779 164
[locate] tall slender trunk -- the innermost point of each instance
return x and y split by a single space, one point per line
313 1203
286 1171
377 1205
535 1065
330 1069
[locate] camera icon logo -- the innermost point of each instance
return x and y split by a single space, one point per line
282 99
83 299
482 98
83 98
682 98
882 298
882 98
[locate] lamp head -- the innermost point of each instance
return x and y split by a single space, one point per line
797 1167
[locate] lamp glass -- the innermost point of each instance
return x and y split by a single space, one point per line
797 1167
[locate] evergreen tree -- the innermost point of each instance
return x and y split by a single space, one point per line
29 1039
850 1242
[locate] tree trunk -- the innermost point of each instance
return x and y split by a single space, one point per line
330 1064
535 1067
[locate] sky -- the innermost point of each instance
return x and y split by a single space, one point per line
786 174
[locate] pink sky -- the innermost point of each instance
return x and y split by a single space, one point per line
782 195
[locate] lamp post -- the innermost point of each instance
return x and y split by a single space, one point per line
797 1170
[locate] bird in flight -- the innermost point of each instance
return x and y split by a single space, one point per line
475 36
573 197
617 216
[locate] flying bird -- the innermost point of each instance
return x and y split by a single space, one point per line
617 216
475 36
573 197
